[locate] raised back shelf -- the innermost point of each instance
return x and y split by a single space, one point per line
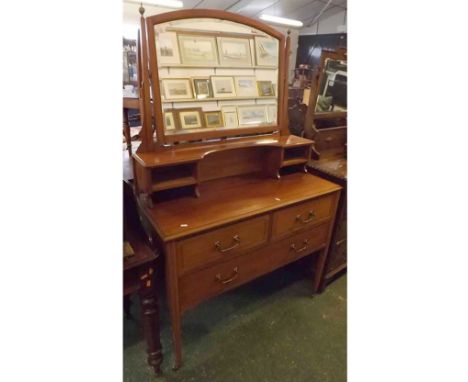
190 165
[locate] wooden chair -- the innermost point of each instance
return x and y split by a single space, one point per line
139 277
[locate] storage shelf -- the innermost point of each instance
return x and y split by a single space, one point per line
175 66
293 161
174 183
216 99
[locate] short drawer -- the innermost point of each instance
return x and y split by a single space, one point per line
201 285
301 216
222 243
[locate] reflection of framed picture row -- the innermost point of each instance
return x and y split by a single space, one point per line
265 89
223 86
272 112
177 88
246 86
167 48
198 50
252 115
266 51
234 51
169 120
184 48
202 88
230 116
213 119
191 118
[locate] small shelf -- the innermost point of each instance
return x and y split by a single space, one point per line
292 162
218 66
168 177
216 99
174 183
295 155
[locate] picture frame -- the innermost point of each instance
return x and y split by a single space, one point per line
230 117
266 51
213 119
167 48
252 115
169 120
272 113
202 88
265 89
223 86
177 88
198 50
234 51
246 86
190 118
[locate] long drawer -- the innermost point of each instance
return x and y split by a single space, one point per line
302 216
222 243
201 285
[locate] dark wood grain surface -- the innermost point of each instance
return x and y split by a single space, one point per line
226 200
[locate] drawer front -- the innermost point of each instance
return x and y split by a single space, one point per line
222 243
302 216
201 285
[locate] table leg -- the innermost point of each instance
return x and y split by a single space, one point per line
126 131
150 318
173 300
318 282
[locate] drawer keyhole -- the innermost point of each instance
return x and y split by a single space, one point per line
236 240
309 218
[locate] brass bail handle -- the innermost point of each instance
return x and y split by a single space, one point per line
297 250
235 273
310 217
236 240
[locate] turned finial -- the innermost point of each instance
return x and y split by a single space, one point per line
141 9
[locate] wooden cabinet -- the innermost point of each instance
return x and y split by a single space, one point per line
228 203
327 126
240 228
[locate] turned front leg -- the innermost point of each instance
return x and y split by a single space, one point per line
150 318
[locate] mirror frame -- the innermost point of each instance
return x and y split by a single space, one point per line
341 55
156 105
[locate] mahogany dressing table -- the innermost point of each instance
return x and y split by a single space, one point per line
228 202
326 124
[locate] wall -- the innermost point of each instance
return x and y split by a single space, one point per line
310 46
335 23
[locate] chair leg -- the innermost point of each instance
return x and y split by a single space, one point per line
150 318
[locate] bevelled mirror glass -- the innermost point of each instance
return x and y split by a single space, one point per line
332 95
215 75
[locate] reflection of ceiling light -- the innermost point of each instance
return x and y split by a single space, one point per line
159 3
281 20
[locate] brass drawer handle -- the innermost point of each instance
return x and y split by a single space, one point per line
236 239
310 217
230 279
306 243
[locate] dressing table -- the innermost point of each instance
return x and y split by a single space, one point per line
326 124
228 201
